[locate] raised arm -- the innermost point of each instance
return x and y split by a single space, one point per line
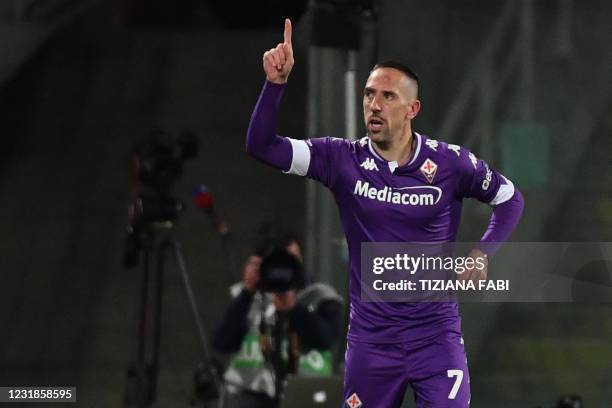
278 62
262 141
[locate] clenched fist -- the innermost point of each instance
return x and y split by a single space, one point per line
278 62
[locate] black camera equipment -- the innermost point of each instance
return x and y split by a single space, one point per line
280 271
569 401
157 163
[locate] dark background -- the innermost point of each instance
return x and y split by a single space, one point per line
82 81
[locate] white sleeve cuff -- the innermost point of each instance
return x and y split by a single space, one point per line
300 158
505 192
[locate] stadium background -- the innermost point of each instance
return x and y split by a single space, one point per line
81 81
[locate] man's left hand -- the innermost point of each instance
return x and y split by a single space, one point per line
480 267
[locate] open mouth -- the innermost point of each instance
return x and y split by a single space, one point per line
375 124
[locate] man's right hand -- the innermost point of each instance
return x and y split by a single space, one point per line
278 62
250 274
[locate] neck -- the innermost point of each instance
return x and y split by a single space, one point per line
399 149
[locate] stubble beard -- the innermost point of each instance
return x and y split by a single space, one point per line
381 139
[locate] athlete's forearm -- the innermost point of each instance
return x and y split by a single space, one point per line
262 141
504 219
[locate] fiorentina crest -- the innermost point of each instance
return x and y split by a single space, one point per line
429 169
353 401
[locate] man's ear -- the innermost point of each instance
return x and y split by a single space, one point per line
413 110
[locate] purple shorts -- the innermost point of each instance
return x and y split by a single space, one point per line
377 375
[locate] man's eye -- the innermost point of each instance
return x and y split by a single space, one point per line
388 96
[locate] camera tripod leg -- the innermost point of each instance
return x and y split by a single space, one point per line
141 386
141 389
180 261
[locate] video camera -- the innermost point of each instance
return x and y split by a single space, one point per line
161 156
281 271
157 163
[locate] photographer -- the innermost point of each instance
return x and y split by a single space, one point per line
307 318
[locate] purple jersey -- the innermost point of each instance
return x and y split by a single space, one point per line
380 201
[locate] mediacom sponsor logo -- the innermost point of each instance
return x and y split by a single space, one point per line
398 196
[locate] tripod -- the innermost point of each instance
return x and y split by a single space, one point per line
157 244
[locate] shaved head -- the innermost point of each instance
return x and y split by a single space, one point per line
389 104
412 83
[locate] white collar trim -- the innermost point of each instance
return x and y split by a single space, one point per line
418 148
393 165
373 151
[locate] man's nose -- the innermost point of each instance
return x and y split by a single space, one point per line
375 106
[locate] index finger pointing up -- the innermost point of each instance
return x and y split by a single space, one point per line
288 31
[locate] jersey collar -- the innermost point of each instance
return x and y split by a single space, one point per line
393 164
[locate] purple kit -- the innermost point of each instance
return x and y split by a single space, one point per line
393 345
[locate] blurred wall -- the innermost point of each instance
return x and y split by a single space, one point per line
69 119
71 115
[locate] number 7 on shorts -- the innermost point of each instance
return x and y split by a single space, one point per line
457 384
